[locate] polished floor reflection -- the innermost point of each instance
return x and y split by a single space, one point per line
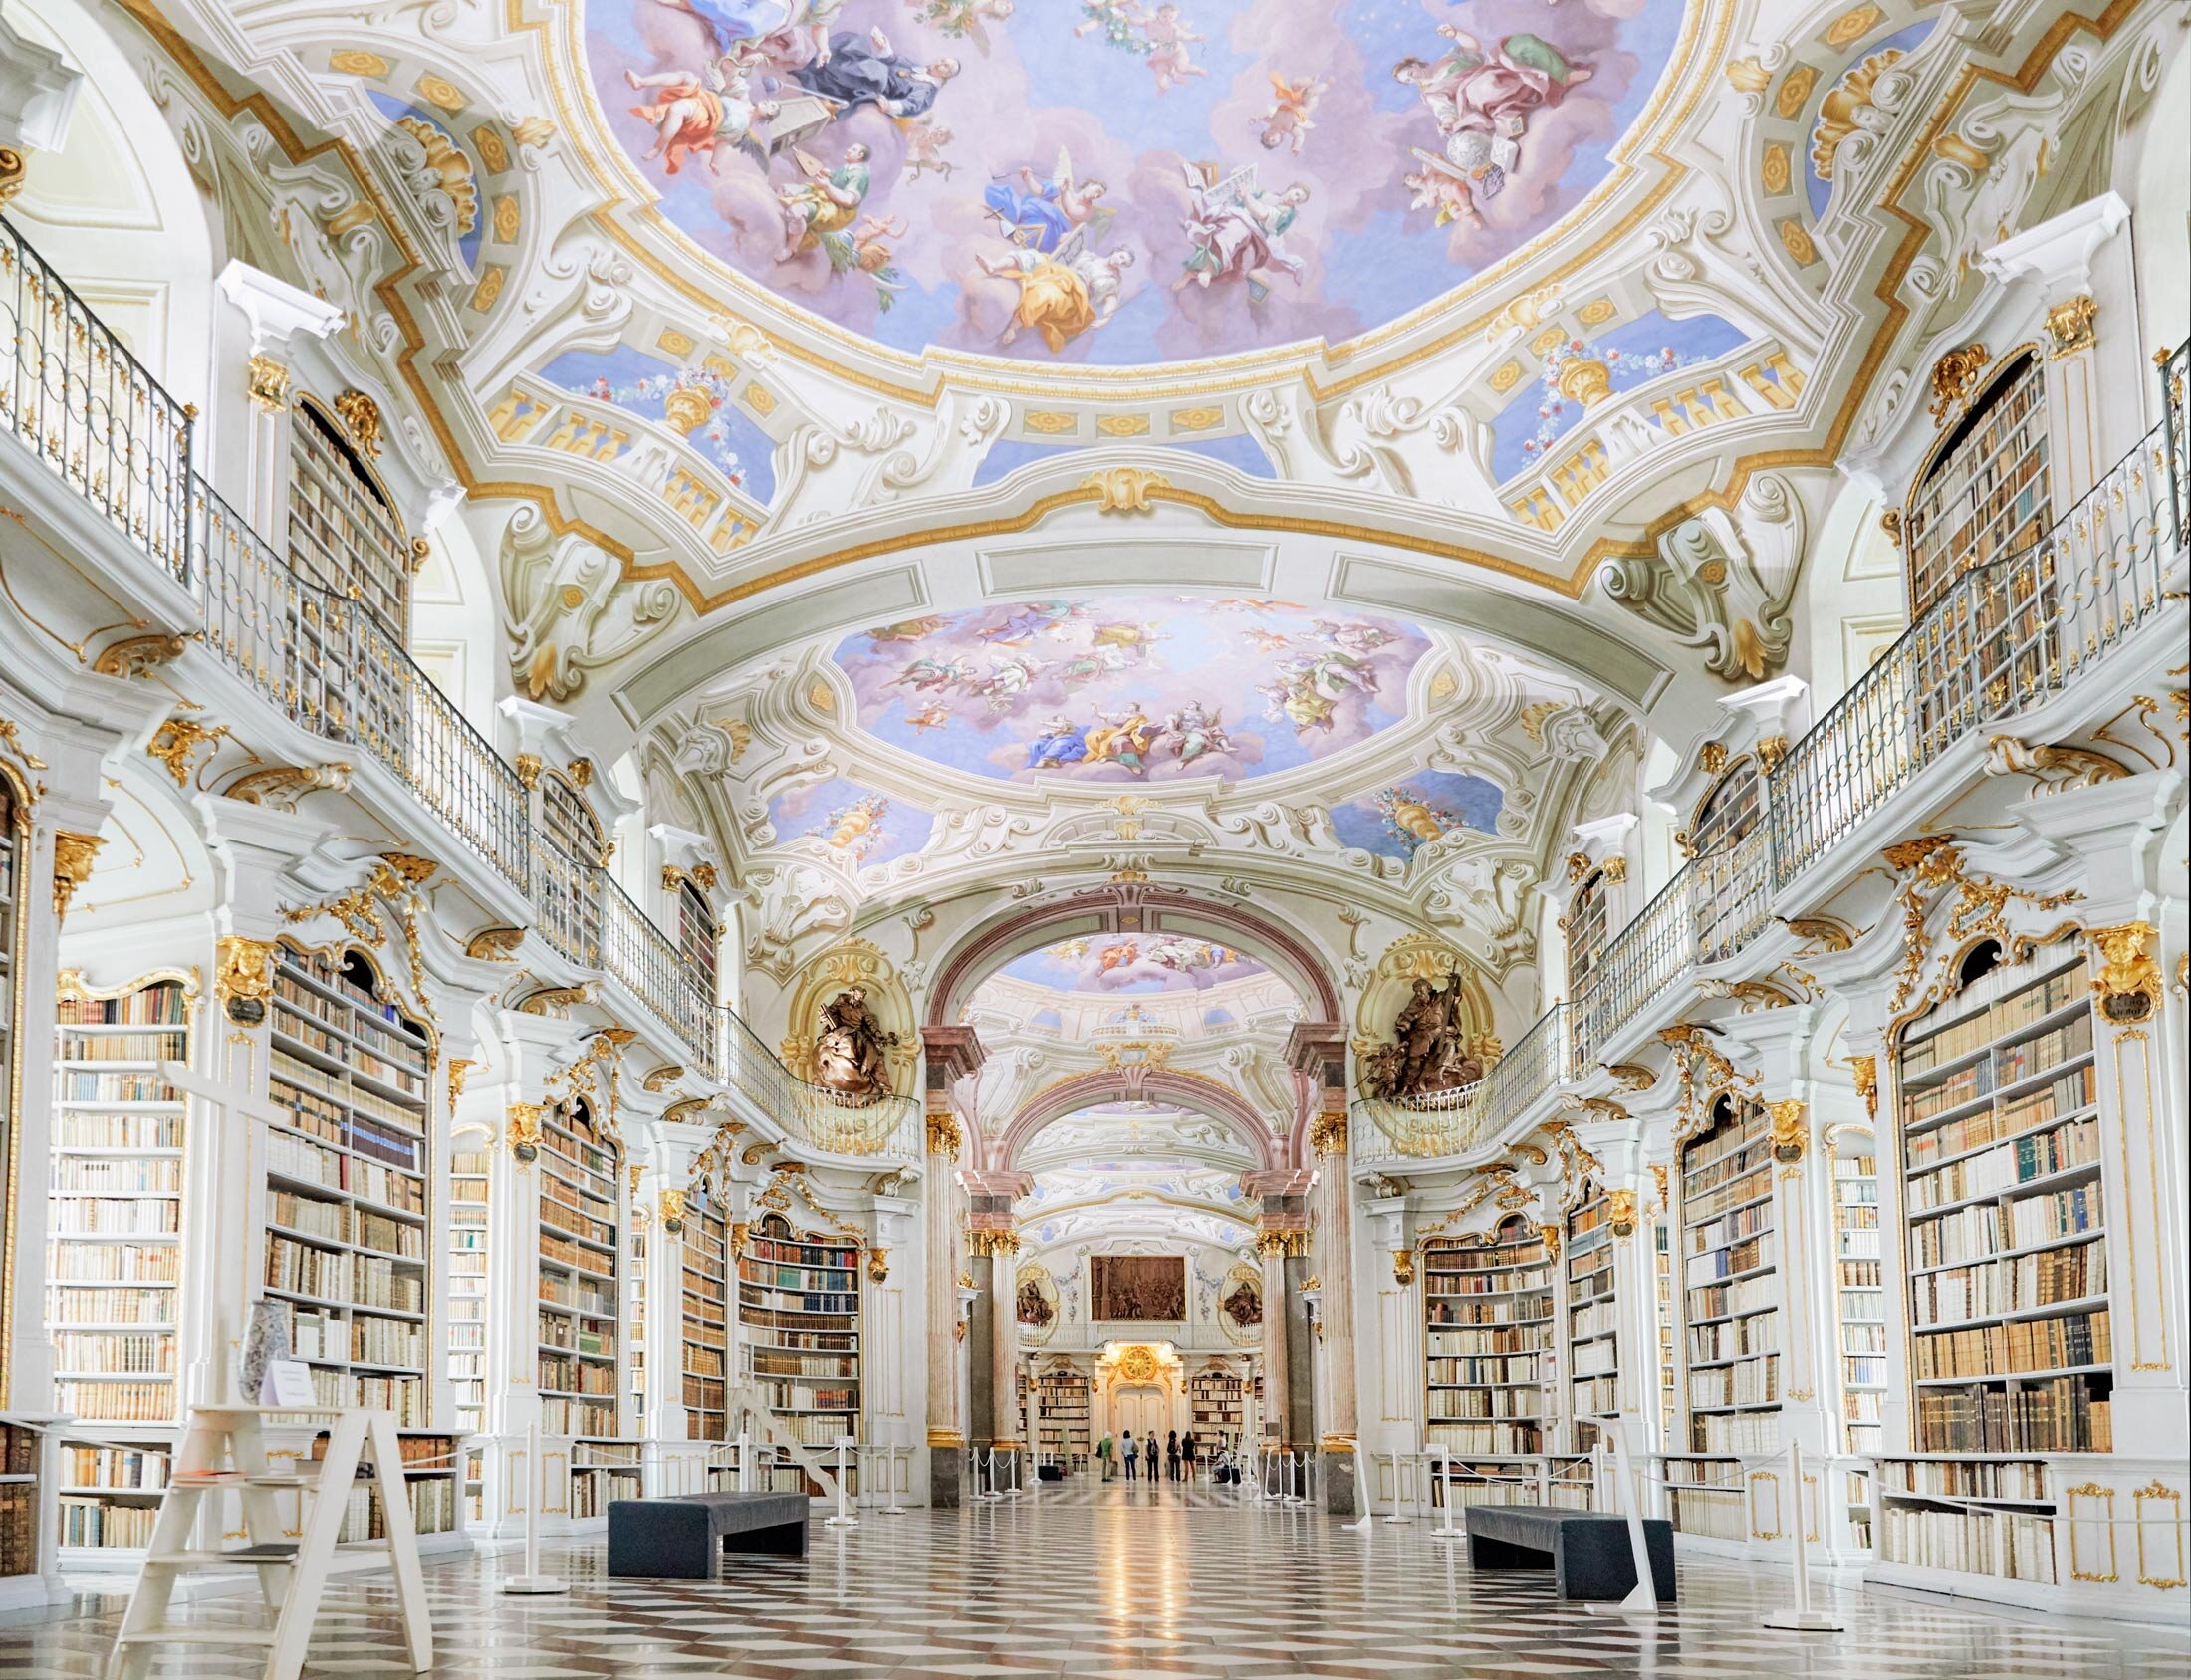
1116 1583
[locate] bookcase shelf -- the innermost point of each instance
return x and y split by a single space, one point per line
798 1323
1593 1317
580 1308
467 1294
2000 1226
1662 1270
1731 1314
1065 1417
347 1188
706 1325
1487 1338
21 1449
1860 1320
115 1258
1218 1402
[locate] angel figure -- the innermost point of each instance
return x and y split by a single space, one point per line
1064 294
1287 123
826 201
702 112
1494 92
1237 231
1168 36
925 143
1122 23
1038 213
1193 731
1442 190
963 20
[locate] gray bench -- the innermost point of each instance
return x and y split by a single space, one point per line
683 1536
1588 1554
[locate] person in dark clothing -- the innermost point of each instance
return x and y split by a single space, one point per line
1171 1455
1156 1455
1186 1453
866 69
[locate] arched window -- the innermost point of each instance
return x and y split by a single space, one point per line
1585 926
1984 494
1728 810
344 533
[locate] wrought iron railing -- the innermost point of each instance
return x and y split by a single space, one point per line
1528 1069
1640 962
646 961
824 1119
91 411
2000 641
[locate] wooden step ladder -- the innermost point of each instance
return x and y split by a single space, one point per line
292 1570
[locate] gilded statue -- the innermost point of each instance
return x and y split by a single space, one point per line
1431 1051
849 1048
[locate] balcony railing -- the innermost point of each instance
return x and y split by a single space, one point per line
647 963
90 411
822 1119
2002 640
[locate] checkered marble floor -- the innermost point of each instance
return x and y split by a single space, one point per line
1117 1583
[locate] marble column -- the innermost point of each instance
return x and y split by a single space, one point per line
1317 1051
953 1055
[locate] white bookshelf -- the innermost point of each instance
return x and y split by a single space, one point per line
706 1320
580 1330
799 1323
1728 1259
467 1296
1487 1345
115 1258
1593 1317
1859 1321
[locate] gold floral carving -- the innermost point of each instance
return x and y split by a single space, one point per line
522 1130
1954 377
1790 1129
1929 865
1772 751
944 1136
13 169
879 1266
1838 111
672 1206
360 417
661 1077
1633 1076
1616 868
1283 1240
495 944
2070 324
460 1070
1711 758
528 769
2129 984
1620 1212
1579 865
1824 932
281 786
1866 1072
2054 768
1327 1134
1549 1235
265 383
1403 1266
72 855
135 656
176 742
1124 489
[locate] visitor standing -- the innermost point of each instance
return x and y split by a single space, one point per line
1171 1455
1132 1453
1186 1453
1153 1452
1103 1451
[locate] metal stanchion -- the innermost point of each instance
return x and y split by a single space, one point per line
891 1456
1019 1473
844 1517
1298 1476
1406 1466
1644 1602
745 1462
1444 1455
1369 1521
532 1583
1802 1619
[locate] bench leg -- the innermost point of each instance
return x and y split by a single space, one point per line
784 1539
1586 1568
1484 1553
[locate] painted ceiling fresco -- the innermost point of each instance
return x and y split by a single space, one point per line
1119 180
1141 962
1401 817
1130 688
851 825
1151 1136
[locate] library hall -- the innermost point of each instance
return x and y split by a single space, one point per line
787 891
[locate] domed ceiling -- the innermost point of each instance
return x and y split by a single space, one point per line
1151 962
1120 182
1131 688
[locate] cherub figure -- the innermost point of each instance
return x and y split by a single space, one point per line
1121 22
1168 36
925 143
1287 123
963 20
1039 213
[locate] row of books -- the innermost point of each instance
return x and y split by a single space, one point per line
128 1469
1446 1342
2063 1414
1734 1339
159 1004
1593 1358
1745 1256
1486 1402
1598 1317
2074 1090
2015 1545
353 1279
1746 1294
2036 1154
1748 1434
295 1157
2023 1480
113 1352
2027 1344
116 1175
1967 1033
365 1341
805 1397
577 1417
116 1402
75 1131
1979 1233
576 1377
2015 1285
575 1223
567 1252
802 1254
92 1216
1487 1283
578 1335
1469 1372
111 1307
1485 1437
815 1301
1753 1183
809 1364
1595 1394
1751 1383
92 1522
123 1046
1730 1227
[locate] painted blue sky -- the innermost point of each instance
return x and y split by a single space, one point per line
1129 963
635 381
1543 96
856 825
1131 688
1397 819
1635 352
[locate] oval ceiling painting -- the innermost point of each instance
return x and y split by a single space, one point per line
1120 180
1130 688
